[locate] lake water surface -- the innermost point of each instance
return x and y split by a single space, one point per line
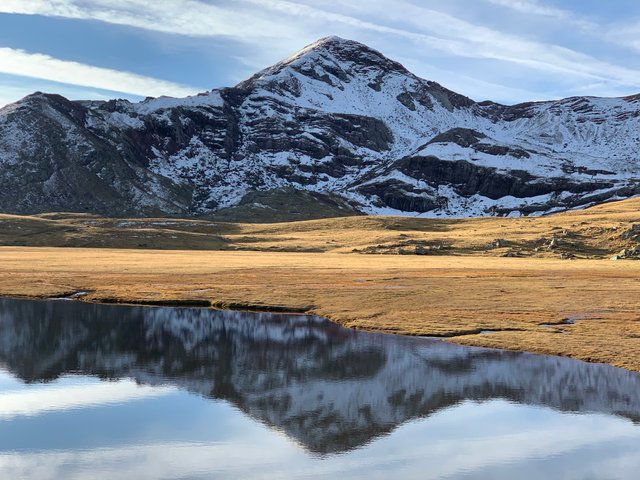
108 392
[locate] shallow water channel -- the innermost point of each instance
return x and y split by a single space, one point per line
104 392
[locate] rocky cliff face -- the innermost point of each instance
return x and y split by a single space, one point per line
338 120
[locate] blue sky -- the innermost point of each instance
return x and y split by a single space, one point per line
504 50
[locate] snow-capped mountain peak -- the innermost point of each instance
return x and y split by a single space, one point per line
338 120
336 52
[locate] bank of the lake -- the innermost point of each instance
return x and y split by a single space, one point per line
518 301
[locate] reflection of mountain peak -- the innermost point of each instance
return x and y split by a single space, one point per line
330 388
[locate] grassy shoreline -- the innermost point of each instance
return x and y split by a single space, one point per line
523 302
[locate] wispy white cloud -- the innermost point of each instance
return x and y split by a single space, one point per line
36 401
532 7
36 65
626 35
461 38
622 34
308 13
523 444
275 28
182 17
479 89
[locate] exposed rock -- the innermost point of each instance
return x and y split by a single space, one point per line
627 253
633 233
399 196
407 101
338 119
555 243
420 250
500 243
464 137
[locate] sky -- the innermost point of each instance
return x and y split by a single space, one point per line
503 50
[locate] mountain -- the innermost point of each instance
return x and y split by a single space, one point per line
328 388
336 128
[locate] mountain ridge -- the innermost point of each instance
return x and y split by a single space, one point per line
337 120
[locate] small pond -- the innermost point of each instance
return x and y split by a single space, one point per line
103 392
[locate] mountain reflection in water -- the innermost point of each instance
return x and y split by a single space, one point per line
329 388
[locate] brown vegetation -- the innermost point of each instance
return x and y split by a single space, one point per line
464 289
598 232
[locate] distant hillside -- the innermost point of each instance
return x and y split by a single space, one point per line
605 231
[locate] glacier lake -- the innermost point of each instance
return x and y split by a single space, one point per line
93 391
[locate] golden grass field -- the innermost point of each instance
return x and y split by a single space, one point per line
459 285
598 232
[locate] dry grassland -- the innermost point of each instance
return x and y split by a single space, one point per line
449 296
598 232
447 278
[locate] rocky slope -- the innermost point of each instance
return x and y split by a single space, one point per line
337 120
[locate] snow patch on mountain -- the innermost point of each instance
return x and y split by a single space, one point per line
341 119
